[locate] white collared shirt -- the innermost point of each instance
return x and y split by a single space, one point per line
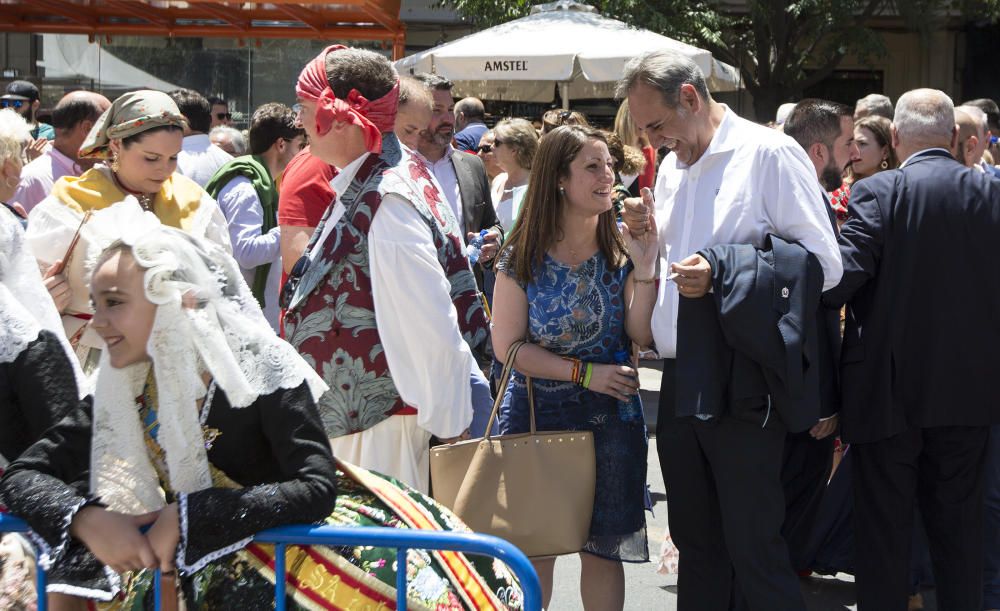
751 181
417 322
444 170
199 159
244 213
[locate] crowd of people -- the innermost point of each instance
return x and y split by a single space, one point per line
208 333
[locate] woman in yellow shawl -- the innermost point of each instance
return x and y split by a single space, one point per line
138 139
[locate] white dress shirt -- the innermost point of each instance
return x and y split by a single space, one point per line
444 171
751 181
38 177
243 211
427 356
199 159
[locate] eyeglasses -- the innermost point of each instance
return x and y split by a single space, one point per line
486 148
12 103
223 116
297 109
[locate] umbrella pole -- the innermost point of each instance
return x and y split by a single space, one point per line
564 95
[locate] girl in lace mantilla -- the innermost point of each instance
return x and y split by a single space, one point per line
203 427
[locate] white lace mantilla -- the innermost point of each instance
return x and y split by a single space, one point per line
207 323
25 305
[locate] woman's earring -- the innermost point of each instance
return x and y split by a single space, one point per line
562 191
884 165
114 163
7 182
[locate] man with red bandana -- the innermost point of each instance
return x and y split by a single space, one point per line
383 302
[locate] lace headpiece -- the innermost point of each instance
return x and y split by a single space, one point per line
207 321
25 305
373 116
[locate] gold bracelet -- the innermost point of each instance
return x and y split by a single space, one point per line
646 281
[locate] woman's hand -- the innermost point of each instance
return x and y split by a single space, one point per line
618 381
57 285
114 538
644 249
164 536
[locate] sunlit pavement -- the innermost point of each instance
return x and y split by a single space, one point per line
644 588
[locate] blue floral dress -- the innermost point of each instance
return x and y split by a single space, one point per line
579 311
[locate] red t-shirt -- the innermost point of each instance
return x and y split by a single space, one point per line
304 193
305 190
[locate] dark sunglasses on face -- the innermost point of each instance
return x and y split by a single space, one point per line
223 116
11 103
485 148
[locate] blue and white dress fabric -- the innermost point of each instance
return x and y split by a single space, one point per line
579 311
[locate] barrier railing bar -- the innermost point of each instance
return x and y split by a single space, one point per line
279 569
401 579
400 538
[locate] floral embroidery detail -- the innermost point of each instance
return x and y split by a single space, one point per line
334 326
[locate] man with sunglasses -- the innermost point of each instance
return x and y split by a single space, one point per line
199 159
220 112
23 98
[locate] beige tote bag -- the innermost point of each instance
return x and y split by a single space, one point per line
533 489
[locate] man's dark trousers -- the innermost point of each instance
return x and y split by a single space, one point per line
726 507
941 470
991 523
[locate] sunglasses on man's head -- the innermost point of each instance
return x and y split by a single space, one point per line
12 103
223 116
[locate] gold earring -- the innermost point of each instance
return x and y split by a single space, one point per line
114 163
7 182
884 165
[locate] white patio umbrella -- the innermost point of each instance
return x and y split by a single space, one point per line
564 43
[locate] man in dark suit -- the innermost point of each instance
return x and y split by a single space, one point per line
919 357
462 176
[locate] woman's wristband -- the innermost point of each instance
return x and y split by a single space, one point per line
587 376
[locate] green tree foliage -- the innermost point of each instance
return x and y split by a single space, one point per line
780 46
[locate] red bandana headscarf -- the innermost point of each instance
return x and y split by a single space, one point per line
373 117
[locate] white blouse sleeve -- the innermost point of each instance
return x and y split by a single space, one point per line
428 359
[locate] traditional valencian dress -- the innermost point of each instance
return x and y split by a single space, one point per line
253 455
388 312
39 379
179 203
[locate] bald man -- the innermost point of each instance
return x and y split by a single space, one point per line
72 119
470 125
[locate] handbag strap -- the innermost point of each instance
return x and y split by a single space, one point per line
508 368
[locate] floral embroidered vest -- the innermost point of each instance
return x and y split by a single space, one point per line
331 316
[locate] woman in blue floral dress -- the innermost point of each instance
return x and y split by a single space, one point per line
573 285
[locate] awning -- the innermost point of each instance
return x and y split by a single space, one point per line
72 56
301 19
561 43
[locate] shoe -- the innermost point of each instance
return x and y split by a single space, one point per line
916 602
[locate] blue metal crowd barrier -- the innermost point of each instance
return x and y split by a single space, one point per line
399 538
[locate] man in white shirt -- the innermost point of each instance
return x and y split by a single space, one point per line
729 181
247 193
383 302
72 119
199 159
462 176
